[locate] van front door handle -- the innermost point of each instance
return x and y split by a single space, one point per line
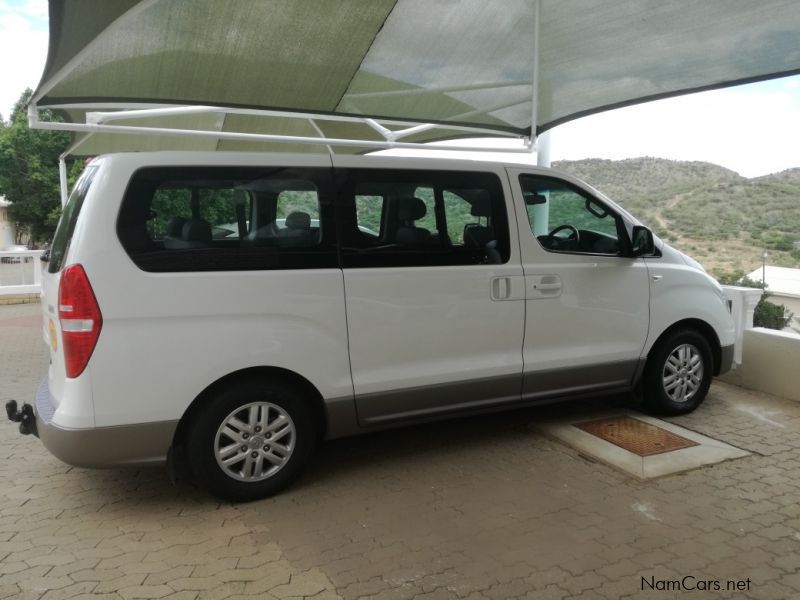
544 286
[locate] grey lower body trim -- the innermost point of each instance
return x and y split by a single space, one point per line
476 395
580 380
124 445
726 359
420 402
342 420
637 376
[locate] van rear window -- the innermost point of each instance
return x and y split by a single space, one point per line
69 217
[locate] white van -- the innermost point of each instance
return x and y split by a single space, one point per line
356 293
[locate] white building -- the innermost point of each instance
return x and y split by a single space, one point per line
783 285
7 235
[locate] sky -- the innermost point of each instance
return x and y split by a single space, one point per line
23 48
751 129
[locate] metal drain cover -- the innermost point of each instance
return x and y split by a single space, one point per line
635 436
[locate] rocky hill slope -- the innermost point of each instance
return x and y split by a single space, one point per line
722 219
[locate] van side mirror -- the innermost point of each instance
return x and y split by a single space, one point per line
642 243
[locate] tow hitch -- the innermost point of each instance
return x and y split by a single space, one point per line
25 417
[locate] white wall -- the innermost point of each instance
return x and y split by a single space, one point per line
769 363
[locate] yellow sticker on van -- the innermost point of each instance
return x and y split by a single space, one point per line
53 337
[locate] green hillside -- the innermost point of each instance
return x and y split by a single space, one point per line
720 218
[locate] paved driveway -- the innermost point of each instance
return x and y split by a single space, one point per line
476 508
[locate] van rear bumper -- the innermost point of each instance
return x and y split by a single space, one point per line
124 445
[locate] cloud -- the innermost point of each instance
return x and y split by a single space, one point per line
751 129
23 48
35 10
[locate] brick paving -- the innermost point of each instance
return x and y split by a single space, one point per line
475 508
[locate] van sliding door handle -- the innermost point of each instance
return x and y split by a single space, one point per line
501 288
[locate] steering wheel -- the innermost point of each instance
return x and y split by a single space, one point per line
573 238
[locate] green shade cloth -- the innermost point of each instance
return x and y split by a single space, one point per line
448 62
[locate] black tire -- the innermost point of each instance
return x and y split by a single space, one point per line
678 387
206 439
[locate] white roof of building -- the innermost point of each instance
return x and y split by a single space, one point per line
780 280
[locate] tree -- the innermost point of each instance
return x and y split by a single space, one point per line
772 316
29 172
766 314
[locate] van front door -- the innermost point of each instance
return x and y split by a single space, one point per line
587 303
434 290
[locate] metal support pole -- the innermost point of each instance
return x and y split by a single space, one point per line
543 150
535 75
386 133
541 212
313 124
247 137
62 177
105 117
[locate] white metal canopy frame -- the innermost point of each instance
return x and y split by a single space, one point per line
357 75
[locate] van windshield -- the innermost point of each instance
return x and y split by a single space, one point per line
66 225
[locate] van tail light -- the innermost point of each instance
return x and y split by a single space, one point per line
80 319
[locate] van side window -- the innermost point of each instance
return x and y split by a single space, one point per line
426 194
293 201
369 214
459 213
565 219
174 205
228 218
394 218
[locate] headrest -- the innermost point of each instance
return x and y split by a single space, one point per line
174 227
410 209
481 206
477 235
197 230
298 220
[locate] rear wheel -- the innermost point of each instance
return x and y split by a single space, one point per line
252 440
678 373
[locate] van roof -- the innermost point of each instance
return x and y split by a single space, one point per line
183 157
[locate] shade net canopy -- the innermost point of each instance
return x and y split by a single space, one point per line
454 63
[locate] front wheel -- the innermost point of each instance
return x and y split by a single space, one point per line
252 439
678 373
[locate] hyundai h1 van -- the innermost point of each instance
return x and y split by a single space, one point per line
232 310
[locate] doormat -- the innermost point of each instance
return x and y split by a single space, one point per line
636 436
637 444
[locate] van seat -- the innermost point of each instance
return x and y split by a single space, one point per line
173 234
410 210
195 233
298 231
198 232
482 237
